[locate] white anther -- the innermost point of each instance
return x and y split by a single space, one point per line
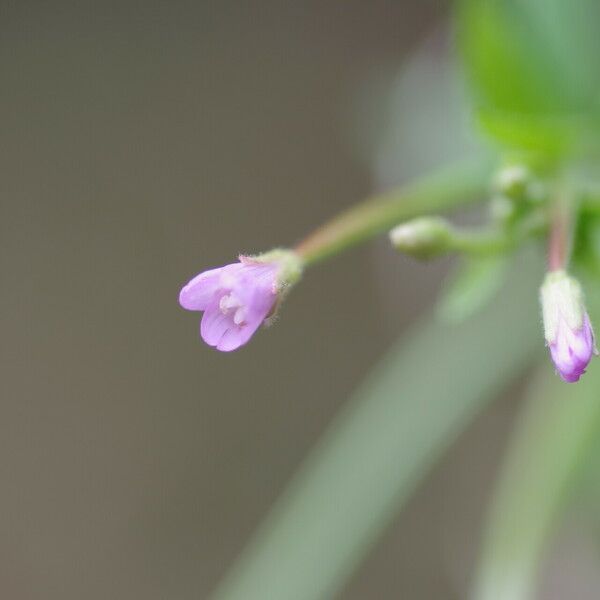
240 315
228 302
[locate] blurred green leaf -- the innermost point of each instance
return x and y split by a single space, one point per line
568 34
415 119
474 283
534 70
505 60
586 247
548 451
550 135
412 406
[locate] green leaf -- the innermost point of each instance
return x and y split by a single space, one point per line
553 136
400 421
476 281
568 32
586 247
548 449
505 61
534 70
422 120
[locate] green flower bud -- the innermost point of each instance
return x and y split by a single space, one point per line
512 181
423 238
561 297
516 182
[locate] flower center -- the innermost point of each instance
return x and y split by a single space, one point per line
230 303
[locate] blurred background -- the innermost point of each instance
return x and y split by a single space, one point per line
143 143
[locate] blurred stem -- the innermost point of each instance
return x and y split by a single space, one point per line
479 241
561 229
381 445
549 445
448 188
493 241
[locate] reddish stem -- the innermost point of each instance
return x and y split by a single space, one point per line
559 242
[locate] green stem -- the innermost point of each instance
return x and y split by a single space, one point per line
448 188
480 242
559 243
493 241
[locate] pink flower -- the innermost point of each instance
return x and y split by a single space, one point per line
572 349
236 300
567 326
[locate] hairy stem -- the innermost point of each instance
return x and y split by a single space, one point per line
493 241
448 188
559 243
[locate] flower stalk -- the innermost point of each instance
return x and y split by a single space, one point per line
428 237
559 244
449 188
237 298
567 326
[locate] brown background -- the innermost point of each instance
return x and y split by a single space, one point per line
143 142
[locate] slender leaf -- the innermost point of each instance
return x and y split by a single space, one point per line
550 445
472 286
414 404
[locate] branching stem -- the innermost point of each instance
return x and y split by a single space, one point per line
446 189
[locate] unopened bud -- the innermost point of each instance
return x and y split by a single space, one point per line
567 327
512 181
425 237
516 182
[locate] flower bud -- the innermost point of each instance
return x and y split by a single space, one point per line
517 183
567 326
425 237
237 298
512 181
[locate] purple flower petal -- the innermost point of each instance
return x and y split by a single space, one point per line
567 328
236 299
200 291
572 350
237 336
213 325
